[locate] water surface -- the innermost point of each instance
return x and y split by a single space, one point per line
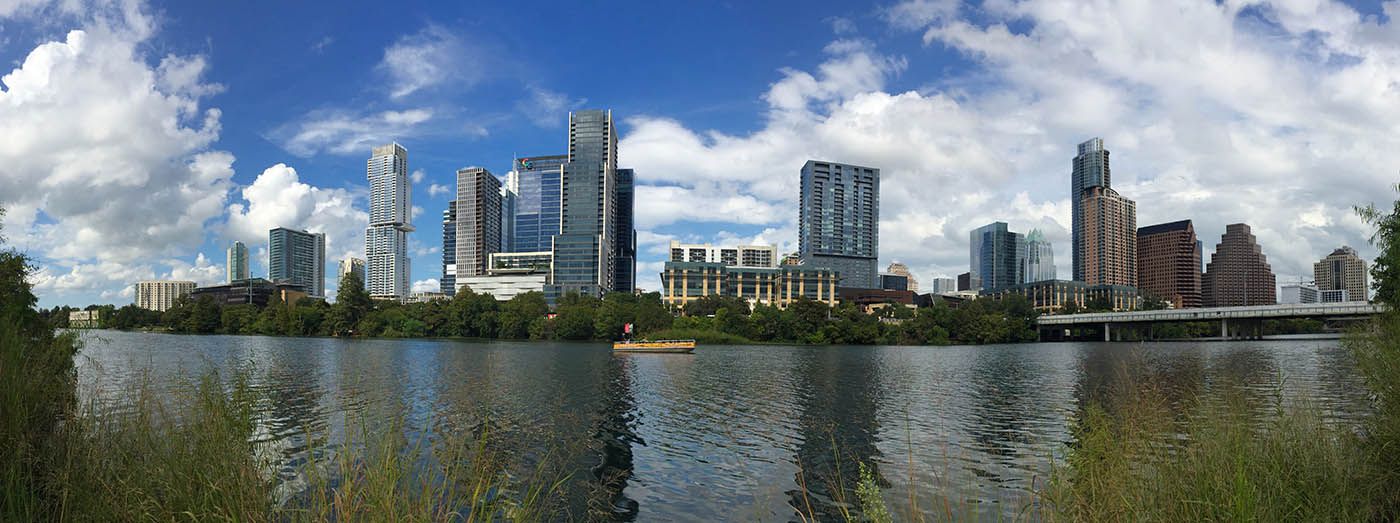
731 432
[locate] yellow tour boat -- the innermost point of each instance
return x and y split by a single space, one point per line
660 346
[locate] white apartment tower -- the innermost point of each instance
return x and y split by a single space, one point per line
159 295
386 239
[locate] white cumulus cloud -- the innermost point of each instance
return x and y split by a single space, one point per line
278 198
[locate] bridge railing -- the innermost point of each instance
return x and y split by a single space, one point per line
1306 310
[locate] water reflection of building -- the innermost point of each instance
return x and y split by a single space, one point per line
615 434
837 419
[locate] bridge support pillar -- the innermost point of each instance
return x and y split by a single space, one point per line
1224 329
1107 333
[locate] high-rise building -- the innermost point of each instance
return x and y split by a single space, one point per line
583 249
237 262
478 220
390 221
1040 258
160 295
943 285
1108 238
685 281
535 181
996 257
1169 263
903 270
968 282
625 244
838 225
351 264
1090 169
1343 270
298 257
738 256
508 201
1238 272
448 284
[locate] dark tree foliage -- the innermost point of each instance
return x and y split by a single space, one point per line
1385 272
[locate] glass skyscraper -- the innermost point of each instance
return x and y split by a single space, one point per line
839 221
1104 223
1040 258
390 208
237 262
625 245
996 257
536 182
448 284
298 257
583 249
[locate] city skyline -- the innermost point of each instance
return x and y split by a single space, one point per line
718 177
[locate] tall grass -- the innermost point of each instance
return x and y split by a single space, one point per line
1226 461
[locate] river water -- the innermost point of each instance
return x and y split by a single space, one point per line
731 432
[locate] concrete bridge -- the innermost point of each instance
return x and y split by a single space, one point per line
1235 322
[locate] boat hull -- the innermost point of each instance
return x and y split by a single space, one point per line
657 347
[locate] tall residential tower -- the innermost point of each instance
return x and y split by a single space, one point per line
298 257
1105 223
390 208
237 262
838 225
478 220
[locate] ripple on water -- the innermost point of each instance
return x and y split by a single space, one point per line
727 433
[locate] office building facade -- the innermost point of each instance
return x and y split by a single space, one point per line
1052 296
583 249
684 282
903 270
1343 270
1169 261
536 182
839 221
478 220
1040 258
625 244
996 257
943 285
160 295
237 262
390 221
1108 238
448 284
1297 293
741 255
298 257
348 265
508 202
1238 273
256 291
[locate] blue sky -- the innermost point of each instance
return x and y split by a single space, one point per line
140 139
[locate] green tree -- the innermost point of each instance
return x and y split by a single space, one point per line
808 316
707 305
1385 272
574 317
39 388
770 324
519 313
616 310
652 314
352 303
